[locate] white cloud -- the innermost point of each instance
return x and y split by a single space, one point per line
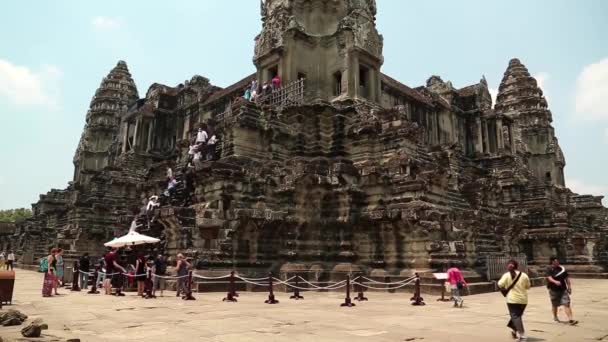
102 23
592 91
23 86
584 188
542 79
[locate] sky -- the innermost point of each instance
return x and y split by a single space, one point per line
53 55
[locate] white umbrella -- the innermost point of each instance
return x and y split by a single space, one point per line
131 239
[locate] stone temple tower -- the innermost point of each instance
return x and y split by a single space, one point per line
99 141
520 98
332 44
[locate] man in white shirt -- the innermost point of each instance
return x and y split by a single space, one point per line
201 136
10 260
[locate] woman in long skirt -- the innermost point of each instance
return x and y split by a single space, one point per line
49 282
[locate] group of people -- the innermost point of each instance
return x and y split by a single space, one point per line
256 91
514 285
53 267
7 260
202 147
148 271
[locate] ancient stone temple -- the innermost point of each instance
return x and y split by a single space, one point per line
342 168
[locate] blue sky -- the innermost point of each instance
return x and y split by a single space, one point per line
53 55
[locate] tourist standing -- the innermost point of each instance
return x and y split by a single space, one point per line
10 260
49 281
201 136
560 289
182 272
112 267
85 266
247 95
140 273
514 285
101 274
60 266
2 260
457 283
160 269
276 83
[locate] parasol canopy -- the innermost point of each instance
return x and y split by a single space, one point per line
131 239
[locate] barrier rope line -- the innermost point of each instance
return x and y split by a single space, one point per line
384 288
390 283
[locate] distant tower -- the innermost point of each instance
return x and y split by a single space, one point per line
333 44
520 98
98 143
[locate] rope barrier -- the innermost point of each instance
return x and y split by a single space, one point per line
358 283
384 288
391 283
330 287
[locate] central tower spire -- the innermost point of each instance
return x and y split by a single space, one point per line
333 44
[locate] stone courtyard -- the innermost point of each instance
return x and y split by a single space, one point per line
319 317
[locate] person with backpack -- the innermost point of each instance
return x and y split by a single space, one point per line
514 285
457 283
50 279
560 289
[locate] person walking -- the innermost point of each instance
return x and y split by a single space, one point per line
457 283
560 289
514 285
10 260
160 269
85 265
2 260
182 271
48 284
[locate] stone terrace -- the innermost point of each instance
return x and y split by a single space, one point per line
386 317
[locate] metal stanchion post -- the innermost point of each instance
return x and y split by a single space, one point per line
296 291
230 296
347 301
271 299
76 277
417 299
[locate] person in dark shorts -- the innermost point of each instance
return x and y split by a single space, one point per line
160 270
112 266
560 289
140 273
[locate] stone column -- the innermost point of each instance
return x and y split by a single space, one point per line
486 137
135 134
150 135
499 138
353 74
125 138
513 148
479 140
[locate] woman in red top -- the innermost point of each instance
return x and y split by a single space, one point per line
457 283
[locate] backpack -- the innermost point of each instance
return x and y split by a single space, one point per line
44 265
